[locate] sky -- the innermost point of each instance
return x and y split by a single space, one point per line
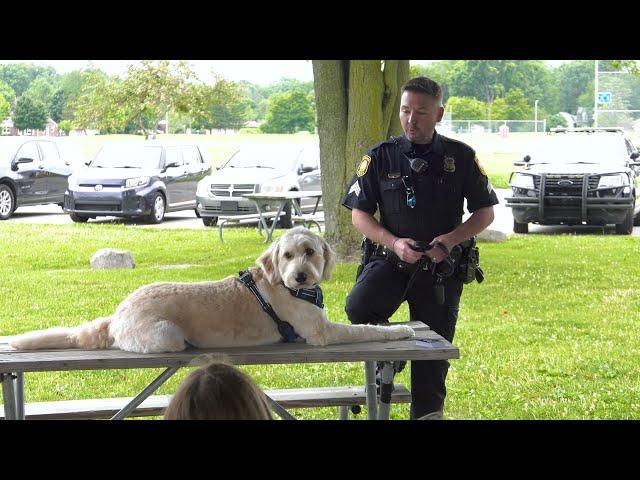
261 72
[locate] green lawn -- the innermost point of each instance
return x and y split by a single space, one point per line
552 333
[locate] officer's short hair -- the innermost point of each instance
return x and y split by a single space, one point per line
424 84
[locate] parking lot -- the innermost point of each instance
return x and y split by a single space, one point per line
53 214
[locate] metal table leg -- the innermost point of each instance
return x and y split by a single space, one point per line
386 387
19 391
370 386
9 396
153 386
279 409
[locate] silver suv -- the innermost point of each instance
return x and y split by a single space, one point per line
259 168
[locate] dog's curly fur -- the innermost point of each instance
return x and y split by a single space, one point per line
167 317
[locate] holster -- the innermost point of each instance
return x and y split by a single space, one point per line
468 263
367 248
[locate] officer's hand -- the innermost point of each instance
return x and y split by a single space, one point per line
403 249
437 254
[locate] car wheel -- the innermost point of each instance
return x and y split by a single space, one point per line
520 227
7 202
78 218
636 220
626 227
157 209
210 221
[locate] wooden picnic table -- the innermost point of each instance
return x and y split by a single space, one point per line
427 345
282 198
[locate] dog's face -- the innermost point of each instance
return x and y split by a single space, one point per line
299 258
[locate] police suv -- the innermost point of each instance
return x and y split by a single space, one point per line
579 176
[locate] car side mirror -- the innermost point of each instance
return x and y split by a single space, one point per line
305 169
170 165
526 159
14 164
635 155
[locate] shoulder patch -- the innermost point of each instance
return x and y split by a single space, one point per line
364 166
475 159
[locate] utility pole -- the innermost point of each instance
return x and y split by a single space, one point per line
595 98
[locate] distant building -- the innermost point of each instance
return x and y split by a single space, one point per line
7 128
50 129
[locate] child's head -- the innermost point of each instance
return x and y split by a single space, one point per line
218 391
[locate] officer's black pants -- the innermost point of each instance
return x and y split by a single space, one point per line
377 295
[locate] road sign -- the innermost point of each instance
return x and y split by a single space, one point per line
604 97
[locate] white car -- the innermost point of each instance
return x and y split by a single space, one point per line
259 168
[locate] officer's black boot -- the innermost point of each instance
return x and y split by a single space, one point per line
397 368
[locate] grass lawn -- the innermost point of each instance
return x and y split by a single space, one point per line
552 333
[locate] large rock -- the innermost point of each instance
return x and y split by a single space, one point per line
492 236
111 258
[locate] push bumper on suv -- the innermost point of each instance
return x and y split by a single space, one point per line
227 199
569 199
117 202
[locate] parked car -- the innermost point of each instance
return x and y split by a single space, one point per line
259 168
578 176
137 179
34 171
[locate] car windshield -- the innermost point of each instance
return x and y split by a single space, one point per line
8 148
593 148
128 156
264 157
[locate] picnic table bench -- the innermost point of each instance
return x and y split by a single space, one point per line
426 345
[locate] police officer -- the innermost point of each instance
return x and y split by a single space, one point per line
418 181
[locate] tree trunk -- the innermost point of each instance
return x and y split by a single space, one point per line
357 103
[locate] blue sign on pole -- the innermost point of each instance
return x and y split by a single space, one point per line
604 97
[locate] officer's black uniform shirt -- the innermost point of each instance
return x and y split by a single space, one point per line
453 175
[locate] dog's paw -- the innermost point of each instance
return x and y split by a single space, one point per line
400 331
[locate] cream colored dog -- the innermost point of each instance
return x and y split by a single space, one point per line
166 317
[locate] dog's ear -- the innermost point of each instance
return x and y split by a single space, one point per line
329 259
269 262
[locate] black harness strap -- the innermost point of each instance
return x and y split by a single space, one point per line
286 330
311 295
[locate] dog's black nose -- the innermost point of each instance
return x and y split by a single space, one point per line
301 277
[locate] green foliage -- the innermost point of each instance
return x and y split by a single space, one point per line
29 114
575 79
42 90
4 108
516 106
7 92
66 126
20 75
223 106
466 108
289 112
556 120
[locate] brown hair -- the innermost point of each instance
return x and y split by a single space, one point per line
424 85
218 391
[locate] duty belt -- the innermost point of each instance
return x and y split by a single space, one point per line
406 267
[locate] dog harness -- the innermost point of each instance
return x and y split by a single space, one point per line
286 330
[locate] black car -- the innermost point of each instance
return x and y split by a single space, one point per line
34 171
576 177
138 179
